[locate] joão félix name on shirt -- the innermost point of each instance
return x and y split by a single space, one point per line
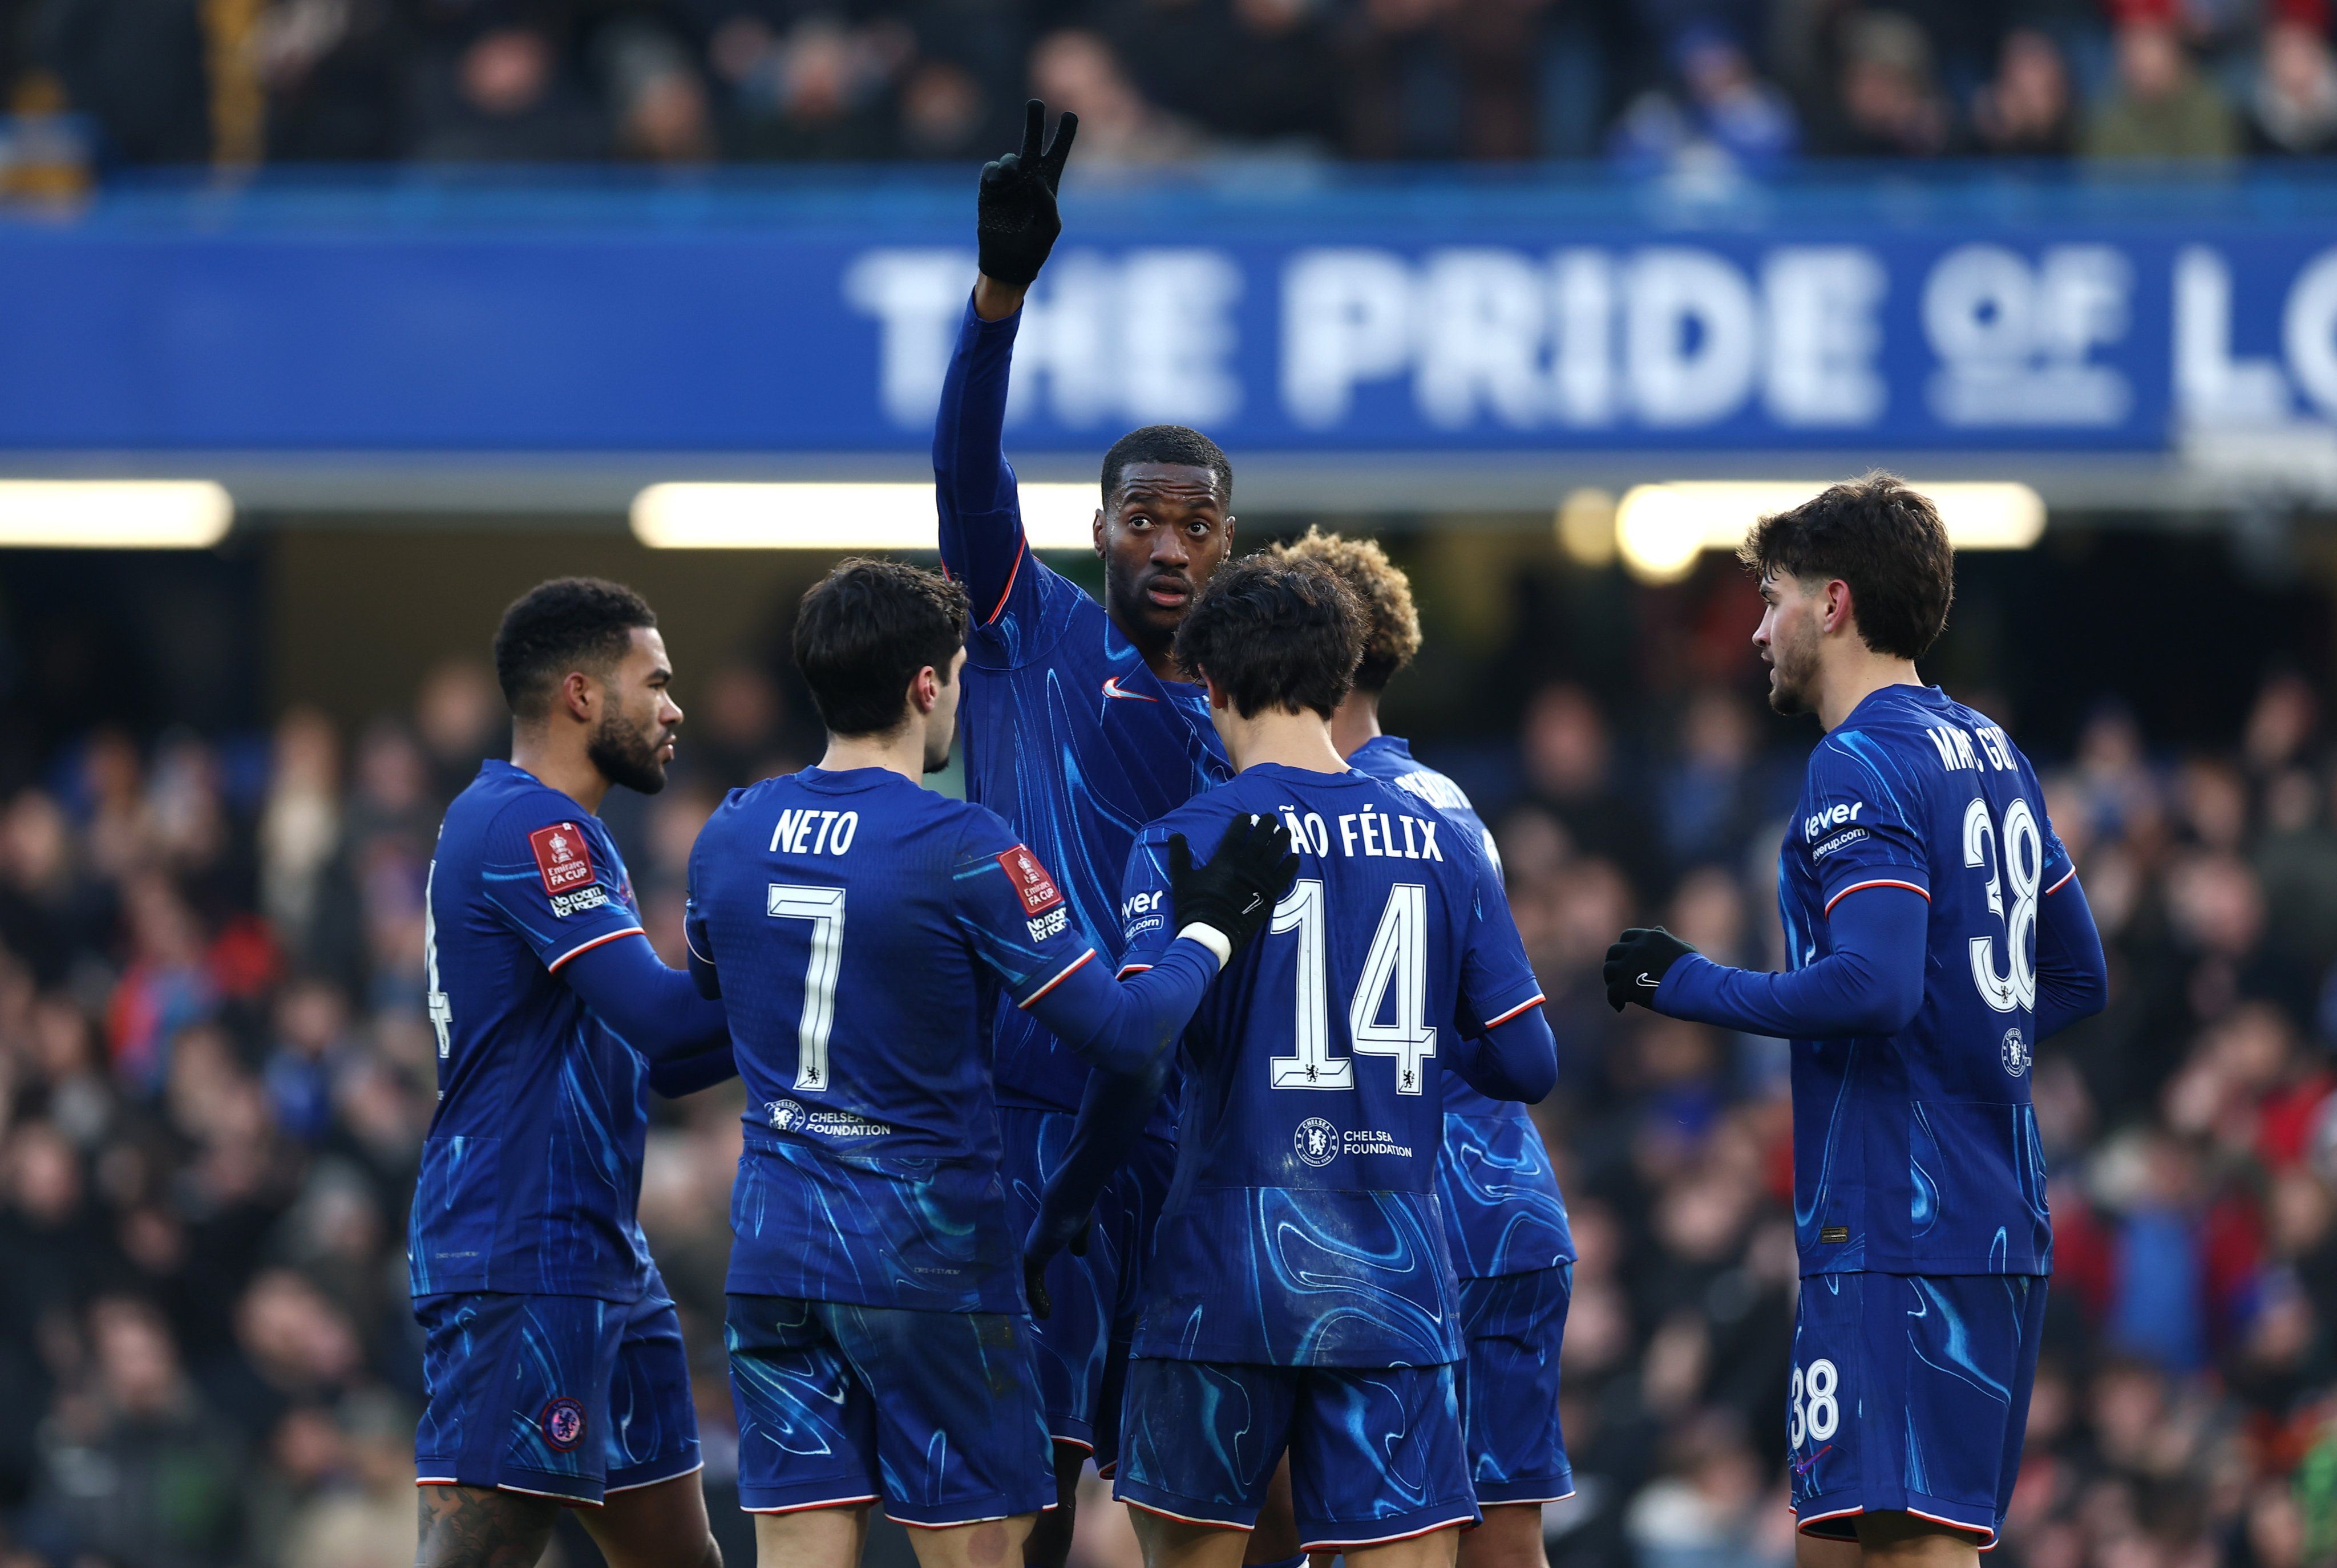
1375 833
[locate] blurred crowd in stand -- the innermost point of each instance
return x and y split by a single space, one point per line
215 1074
1696 86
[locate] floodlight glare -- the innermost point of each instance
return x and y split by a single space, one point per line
1661 529
113 514
844 516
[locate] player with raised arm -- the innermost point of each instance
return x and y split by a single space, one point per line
1503 1217
1078 732
1300 1296
551 1354
1935 932
860 927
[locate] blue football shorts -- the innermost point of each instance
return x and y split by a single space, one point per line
1376 1452
1910 1393
1513 1325
564 1397
937 1414
1082 1343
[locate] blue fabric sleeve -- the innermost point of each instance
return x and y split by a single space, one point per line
1127 1025
1516 1059
551 882
687 1075
652 1009
981 540
1861 832
1497 981
1870 984
1112 1114
2073 978
702 972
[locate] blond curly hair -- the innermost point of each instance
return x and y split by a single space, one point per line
1392 634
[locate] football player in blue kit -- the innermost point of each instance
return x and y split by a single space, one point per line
1078 731
1300 1295
1936 931
552 1357
859 928
1503 1217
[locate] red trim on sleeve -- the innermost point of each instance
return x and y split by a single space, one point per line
1877 883
1128 969
2064 882
1063 976
1533 1001
1012 573
553 966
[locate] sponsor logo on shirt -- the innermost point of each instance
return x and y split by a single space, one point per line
1831 1235
562 1423
1841 841
1051 924
2014 1053
586 897
795 1116
1830 817
1317 1143
1111 688
561 858
1030 880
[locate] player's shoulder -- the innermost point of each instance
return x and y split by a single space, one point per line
1213 806
1033 615
504 803
1390 758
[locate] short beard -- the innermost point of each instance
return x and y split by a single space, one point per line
624 755
1789 687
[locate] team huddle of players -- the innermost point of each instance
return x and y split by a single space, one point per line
1162 1103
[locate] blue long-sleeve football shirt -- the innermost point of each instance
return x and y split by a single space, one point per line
1068 735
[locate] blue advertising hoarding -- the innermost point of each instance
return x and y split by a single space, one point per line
1388 316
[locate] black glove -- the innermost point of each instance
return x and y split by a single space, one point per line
1635 966
1048 1236
1236 892
1017 221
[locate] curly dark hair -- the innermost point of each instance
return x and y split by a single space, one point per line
570 623
1390 623
863 633
1882 539
1276 633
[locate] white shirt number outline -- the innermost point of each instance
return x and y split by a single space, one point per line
1398 958
2014 853
823 907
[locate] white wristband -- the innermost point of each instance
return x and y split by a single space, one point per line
1209 937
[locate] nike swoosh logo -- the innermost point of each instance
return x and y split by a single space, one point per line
1111 688
1644 980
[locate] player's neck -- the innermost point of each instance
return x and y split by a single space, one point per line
1857 676
902 752
1160 653
561 760
1295 740
1357 722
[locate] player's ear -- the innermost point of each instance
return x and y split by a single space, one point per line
578 692
1836 613
1096 530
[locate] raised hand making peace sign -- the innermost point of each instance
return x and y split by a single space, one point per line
1018 220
